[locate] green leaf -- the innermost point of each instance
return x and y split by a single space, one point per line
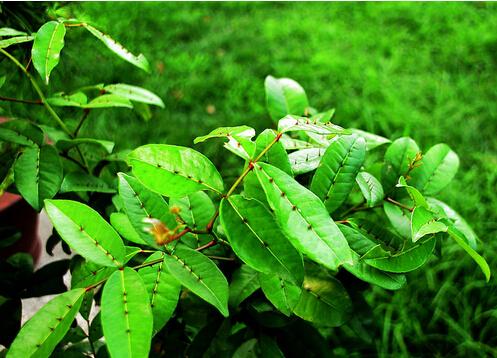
323 300
284 295
226 132
371 188
174 171
284 96
196 209
303 218
83 182
323 117
438 167
398 156
86 273
244 282
459 238
134 93
372 140
163 290
200 275
416 196
305 160
277 155
256 239
66 144
7 31
123 226
15 40
61 99
126 315
247 349
141 204
290 143
424 223
335 176
293 123
41 334
38 174
139 61
47 45
399 218
21 132
109 100
443 210
361 270
86 232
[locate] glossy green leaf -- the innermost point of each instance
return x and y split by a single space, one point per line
200 275
305 160
303 218
109 100
41 334
66 144
61 99
38 174
244 282
134 93
121 223
424 223
277 155
84 230
294 123
7 31
284 96
86 273
399 218
82 182
15 40
415 194
126 315
335 176
371 188
21 132
459 238
141 204
196 209
372 140
387 280
47 45
323 300
323 117
163 290
438 167
139 61
398 156
443 210
226 132
284 295
256 239
290 143
174 171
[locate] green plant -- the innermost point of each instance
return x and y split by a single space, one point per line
316 210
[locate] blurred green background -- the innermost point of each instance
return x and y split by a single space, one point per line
427 70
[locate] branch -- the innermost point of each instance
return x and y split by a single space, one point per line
81 121
25 101
390 200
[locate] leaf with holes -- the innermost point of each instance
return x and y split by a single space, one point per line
83 182
398 156
141 204
163 290
284 96
126 315
256 239
84 230
284 295
109 100
371 188
303 218
305 160
139 61
174 171
244 282
438 167
294 123
334 178
424 223
66 144
21 132
200 275
41 334
323 300
15 40
46 49
38 174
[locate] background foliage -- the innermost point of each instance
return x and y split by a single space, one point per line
423 70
